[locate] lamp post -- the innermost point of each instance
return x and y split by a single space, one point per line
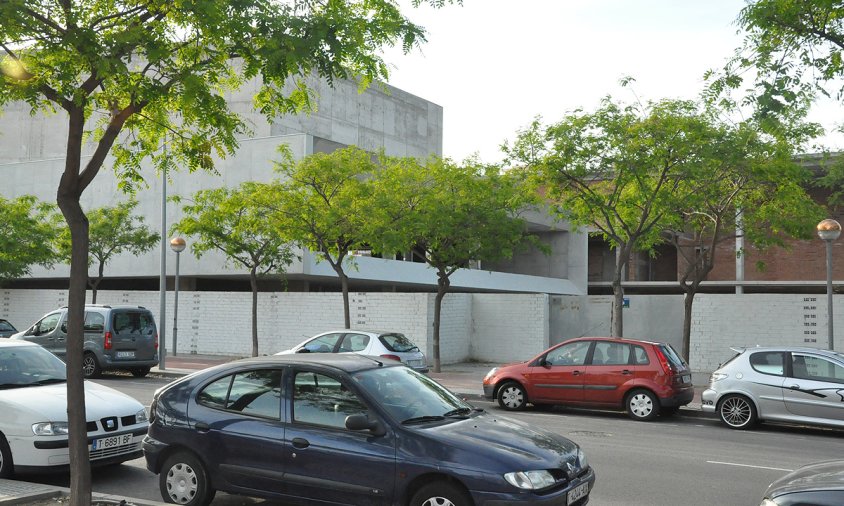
828 231
177 244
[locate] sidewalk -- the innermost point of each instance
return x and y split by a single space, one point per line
463 379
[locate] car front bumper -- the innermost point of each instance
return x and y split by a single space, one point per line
556 498
708 400
51 454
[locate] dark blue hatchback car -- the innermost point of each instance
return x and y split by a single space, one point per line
349 429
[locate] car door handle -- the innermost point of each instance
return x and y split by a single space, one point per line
794 387
202 427
627 372
576 373
300 443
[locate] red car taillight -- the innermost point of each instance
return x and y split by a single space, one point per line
107 341
663 361
392 357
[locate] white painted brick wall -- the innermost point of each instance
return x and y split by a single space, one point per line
509 327
455 327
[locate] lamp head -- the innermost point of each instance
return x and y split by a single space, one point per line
178 244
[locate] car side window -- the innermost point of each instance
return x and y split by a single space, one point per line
94 322
640 356
569 354
254 393
608 353
322 344
815 368
47 324
768 362
354 342
322 400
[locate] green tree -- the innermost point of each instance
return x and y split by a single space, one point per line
111 231
144 72
457 213
739 186
615 171
234 222
323 204
25 236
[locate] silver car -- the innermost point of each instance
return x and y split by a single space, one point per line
800 385
391 345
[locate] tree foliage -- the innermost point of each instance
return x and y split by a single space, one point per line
456 213
25 237
324 203
111 231
155 72
234 222
616 171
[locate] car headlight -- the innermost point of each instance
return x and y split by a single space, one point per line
582 463
141 416
718 376
768 502
491 373
49 428
530 480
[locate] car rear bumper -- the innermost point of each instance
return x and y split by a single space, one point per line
680 398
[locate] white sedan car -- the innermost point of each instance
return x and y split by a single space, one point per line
33 418
391 345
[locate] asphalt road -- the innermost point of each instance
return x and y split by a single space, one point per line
672 461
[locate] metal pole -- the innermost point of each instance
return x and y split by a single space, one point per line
176 304
829 293
162 280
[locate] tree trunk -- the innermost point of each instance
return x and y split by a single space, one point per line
622 254
443 284
344 284
253 281
67 198
687 321
96 282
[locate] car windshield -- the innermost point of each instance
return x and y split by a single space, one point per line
397 343
673 356
4 325
24 366
411 397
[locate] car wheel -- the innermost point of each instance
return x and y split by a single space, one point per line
140 372
90 366
440 493
512 396
737 411
183 480
7 467
642 405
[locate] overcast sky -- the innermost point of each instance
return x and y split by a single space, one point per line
493 65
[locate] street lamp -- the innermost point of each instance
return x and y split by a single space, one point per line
829 230
177 244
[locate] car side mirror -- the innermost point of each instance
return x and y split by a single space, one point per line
543 362
362 422
303 350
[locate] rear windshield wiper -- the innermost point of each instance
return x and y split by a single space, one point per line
423 419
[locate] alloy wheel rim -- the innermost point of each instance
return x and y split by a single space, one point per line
512 398
181 483
735 412
641 405
437 501
88 366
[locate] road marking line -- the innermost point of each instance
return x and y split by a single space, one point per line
748 465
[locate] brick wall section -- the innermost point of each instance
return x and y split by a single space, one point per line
455 327
509 327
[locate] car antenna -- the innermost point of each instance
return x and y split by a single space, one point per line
370 357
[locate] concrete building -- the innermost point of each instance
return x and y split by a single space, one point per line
31 161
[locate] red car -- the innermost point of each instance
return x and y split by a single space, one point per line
642 377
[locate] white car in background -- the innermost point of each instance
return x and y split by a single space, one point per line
391 345
33 418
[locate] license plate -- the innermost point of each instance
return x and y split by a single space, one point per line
111 442
414 363
125 354
687 379
577 493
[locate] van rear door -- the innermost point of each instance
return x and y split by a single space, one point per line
133 335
